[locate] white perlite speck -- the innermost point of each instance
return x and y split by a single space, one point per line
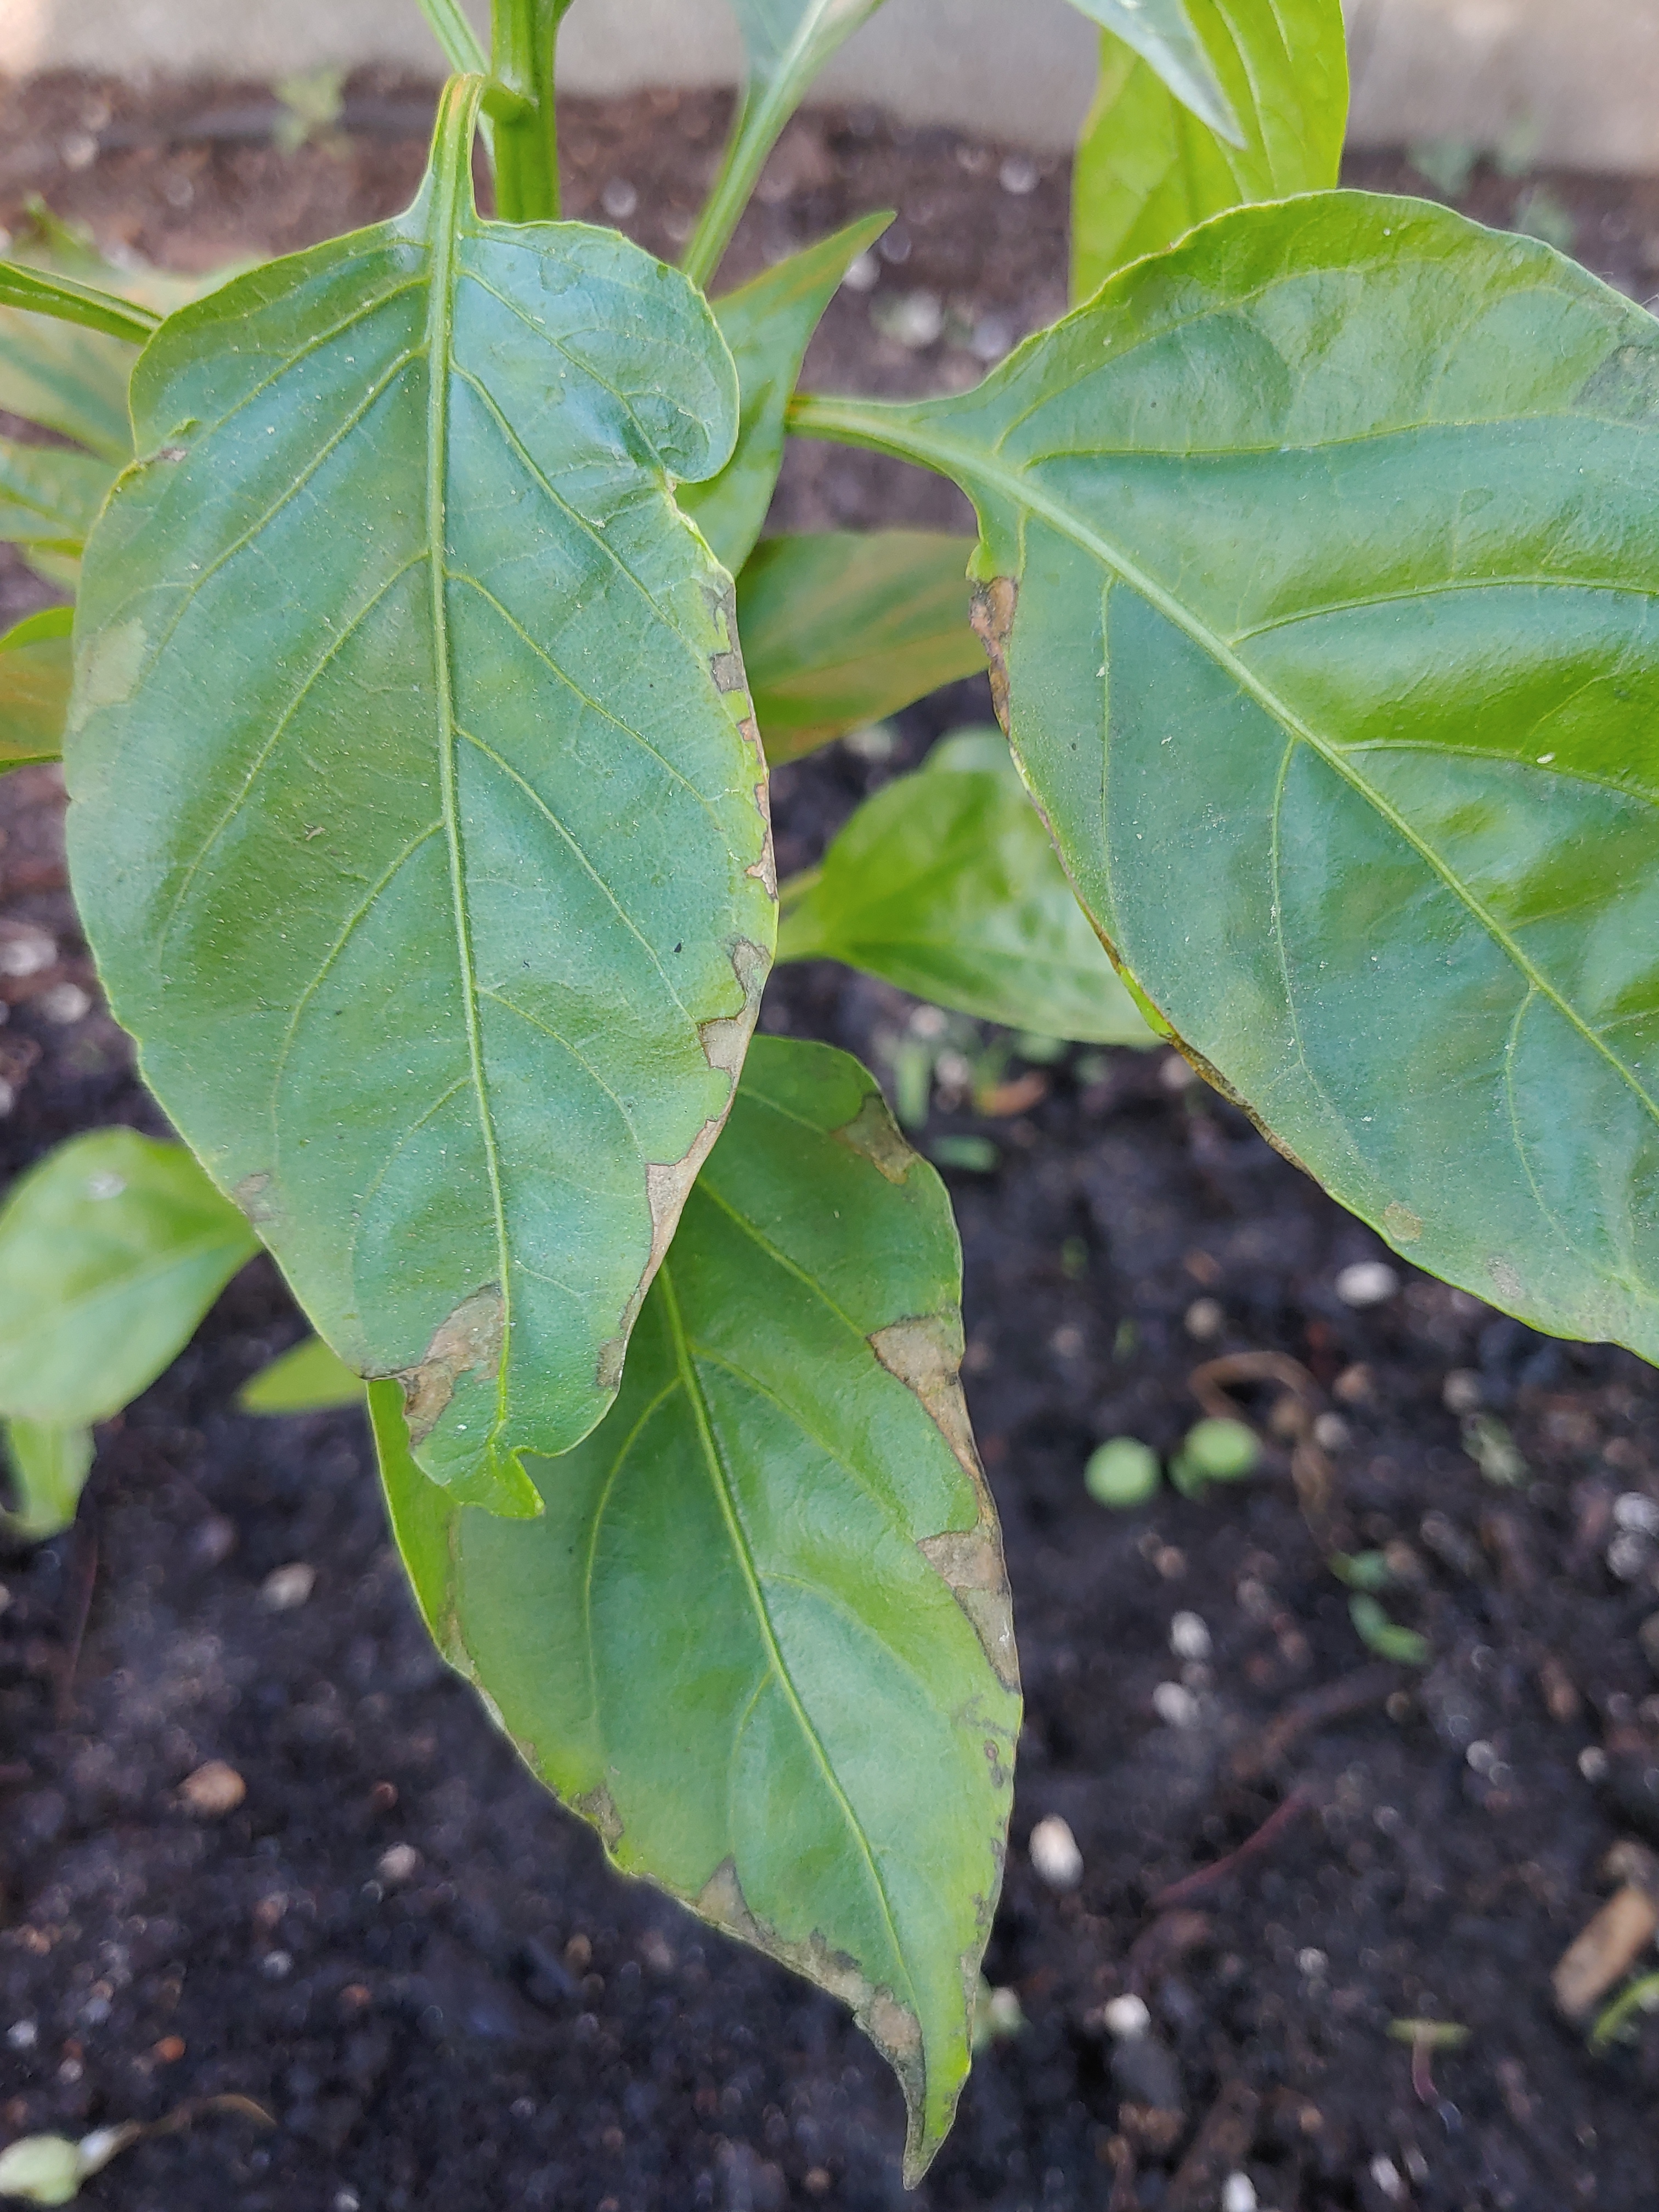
1056 1857
1188 1637
1367 1283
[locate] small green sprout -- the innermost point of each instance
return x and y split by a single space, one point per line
1641 1995
1074 1259
1122 1473
1215 1451
1494 1450
50 2169
1385 1637
1362 1570
975 1155
997 2016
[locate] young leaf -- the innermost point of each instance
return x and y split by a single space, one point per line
36 664
768 326
48 499
841 628
111 1251
395 632
1148 170
309 1379
787 43
69 301
1319 560
462 47
48 1464
1166 36
761 1639
946 884
71 380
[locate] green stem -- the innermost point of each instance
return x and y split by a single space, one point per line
524 37
758 127
459 42
877 425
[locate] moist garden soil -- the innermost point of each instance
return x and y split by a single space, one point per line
420 1967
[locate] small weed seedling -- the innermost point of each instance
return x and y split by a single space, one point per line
415 710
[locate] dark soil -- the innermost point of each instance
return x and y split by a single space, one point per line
490 2016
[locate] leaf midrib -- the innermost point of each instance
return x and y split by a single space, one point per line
974 465
451 178
738 1539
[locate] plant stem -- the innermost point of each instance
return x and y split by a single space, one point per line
523 35
756 131
456 36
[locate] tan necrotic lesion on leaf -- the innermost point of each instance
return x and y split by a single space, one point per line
468 1342
874 1135
893 2028
725 1041
992 615
925 1353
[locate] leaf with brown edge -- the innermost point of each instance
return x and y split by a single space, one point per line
419 822
761 1637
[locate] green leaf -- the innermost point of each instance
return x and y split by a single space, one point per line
787 43
944 882
48 1464
842 629
69 301
1320 560
36 664
111 1251
462 48
1165 34
67 380
419 821
1148 170
761 1637
49 497
309 1379
768 326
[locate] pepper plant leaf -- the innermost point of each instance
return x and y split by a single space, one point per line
395 631
49 497
111 1251
1166 34
37 662
787 42
761 1637
309 1379
70 300
1319 565
47 1463
71 380
946 884
1148 169
768 326
843 628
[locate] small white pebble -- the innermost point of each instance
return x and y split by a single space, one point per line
1462 1391
1637 1511
1125 2018
276 1965
1367 1283
65 1003
346 2200
1481 1757
23 2035
1593 1763
864 274
7 1097
1188 1637
619 199
401 1863
1205 1320
1628 1556
26 955
1331 1433
284 1588
1056 1857
1312 1965
1018 175
929 1021
915 320
1175 1705
1386 2174
992 339
1238 2194
1175 1073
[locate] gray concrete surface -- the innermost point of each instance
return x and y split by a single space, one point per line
1580 77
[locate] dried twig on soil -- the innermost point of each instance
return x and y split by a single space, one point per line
1194 1885
1314 1710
